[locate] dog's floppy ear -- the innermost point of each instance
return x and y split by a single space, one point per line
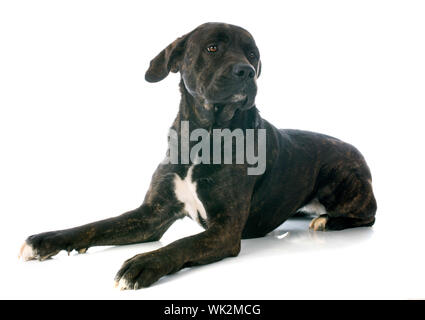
167 60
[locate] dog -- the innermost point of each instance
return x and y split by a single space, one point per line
304 171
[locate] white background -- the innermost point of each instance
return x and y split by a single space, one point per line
81 132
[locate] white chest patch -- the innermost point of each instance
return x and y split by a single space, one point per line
185 190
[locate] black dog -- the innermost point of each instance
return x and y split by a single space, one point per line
219 65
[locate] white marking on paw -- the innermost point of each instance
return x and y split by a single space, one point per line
314 207
122 284
185 191
27 252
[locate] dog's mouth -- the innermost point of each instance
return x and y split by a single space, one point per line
225 111
223 103
238 100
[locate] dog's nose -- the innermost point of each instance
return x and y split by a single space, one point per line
243 71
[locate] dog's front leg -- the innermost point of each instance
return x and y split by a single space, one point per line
221 240
147 223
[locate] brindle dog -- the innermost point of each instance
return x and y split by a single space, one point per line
219 66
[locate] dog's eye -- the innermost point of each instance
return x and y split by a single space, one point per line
252 55
212 48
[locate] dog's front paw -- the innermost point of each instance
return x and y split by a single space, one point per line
40 246
142 271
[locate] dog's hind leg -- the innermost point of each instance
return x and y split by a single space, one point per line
348 202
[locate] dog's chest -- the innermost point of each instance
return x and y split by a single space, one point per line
186 192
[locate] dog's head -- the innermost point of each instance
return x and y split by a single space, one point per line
219 64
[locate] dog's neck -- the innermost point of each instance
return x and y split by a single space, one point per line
200 116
